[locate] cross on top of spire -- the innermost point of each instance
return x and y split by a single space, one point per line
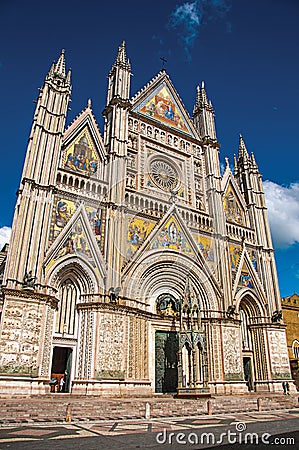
164 60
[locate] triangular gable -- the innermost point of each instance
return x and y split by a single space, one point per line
77 238
83 147
63 210
172 234
233 201
246 276
160 102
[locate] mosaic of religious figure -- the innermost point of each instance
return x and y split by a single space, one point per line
172 237
81 157
205 246
95 220
138 230
167 305
161 106
76 243
246 280
232 208
235 253
63 213
253 260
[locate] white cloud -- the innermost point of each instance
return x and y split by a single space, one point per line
5 233
283 208
189 17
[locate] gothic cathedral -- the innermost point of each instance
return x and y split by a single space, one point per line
135 267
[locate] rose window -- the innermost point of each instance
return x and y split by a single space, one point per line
164 175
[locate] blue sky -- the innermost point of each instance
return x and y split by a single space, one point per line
245 51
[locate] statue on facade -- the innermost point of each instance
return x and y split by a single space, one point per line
277 316
29 279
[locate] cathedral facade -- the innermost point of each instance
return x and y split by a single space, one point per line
135 267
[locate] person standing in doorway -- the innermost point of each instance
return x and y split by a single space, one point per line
61 384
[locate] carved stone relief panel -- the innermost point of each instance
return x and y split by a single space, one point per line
137 348
232 353
278 354
20 339
111 345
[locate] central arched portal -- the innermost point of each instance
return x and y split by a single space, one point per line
167 345
162 281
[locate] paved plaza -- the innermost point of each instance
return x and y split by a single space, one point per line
221 431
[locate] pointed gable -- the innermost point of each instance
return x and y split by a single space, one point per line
171 234
233 202
246 275
160 102
77 239
83 147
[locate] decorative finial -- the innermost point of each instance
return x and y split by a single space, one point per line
163 62
226 162
89 103
253 159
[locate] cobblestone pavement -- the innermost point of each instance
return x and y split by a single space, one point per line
259 428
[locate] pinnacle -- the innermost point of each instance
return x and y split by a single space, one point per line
60 65
235 165
121 58
253 160
201 97
242 148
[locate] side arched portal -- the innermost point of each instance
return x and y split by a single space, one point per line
255 363
70 343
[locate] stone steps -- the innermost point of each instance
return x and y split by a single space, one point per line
45 408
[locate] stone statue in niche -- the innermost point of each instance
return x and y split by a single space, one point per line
131 182
29 279
199 203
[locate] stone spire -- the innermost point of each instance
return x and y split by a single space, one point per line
119 76
57 73
37 187
201 98
121 58
60 65
48 125
243 153
203 114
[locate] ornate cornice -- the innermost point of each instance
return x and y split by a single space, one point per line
31 294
